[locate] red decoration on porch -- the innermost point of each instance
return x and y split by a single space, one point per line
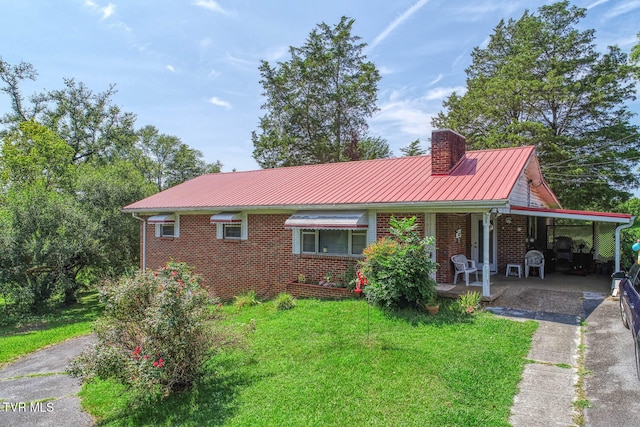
362 281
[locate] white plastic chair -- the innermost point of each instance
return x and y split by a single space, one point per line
463 266
534 259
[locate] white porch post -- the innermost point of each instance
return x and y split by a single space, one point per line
486 263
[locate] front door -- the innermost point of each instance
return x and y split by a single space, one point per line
477 243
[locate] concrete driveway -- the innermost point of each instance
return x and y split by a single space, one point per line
35 391
612 387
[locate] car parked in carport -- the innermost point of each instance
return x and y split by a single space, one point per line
630 307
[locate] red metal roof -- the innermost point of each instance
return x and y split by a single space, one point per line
485 175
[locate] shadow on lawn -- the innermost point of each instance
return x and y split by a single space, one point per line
211 402
449 314
87 309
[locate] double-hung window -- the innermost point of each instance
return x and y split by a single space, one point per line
167 225
230 225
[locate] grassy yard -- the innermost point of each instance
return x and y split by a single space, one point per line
47 329
345 364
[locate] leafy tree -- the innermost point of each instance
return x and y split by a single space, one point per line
12 75
317 103
413 149
33 153
52 239
540 81
102 191
165 161
635 53
93 127
69 160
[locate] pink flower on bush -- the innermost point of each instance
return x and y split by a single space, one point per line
159 363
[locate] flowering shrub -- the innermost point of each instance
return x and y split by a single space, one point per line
399 269
156 331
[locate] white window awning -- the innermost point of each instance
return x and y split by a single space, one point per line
345 220
162 219
226 218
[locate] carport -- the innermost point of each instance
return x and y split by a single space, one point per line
591 240
582 237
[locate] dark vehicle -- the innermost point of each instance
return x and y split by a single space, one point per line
630 308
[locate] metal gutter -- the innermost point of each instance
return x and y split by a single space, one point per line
447 206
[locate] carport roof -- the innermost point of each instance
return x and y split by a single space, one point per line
574 214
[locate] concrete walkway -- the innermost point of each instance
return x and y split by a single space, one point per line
35 391
547 388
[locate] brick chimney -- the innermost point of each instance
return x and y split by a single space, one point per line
447 149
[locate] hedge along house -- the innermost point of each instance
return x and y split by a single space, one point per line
261 230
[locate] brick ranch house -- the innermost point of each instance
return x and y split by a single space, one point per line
259 230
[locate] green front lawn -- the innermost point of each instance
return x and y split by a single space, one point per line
343 363
50 328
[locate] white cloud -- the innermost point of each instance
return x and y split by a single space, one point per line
458 59
596 3
240 62
436 80
405 119
170 68
219 102
211 5
276 53
443 92
622 9
106 11
396 22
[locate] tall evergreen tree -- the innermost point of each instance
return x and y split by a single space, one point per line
317 103
413 149
541 81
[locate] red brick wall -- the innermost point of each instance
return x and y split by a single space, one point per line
382 220
447 148
447 244
511 241
265 262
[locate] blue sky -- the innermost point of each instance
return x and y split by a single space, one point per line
190 67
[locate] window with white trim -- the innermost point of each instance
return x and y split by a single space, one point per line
230 225
167 225
167 230
232 231
333 242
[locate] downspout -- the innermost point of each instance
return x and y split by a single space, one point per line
618 230
144 241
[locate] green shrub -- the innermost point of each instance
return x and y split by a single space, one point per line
399 269
469 302
155 333
284 301
246 299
